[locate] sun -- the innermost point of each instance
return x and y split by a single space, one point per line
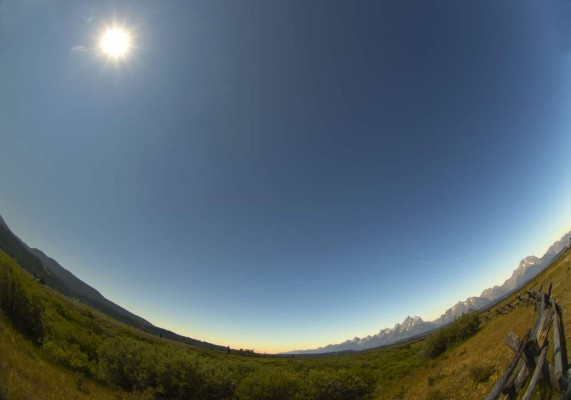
115 42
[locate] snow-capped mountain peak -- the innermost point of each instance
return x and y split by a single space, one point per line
408 323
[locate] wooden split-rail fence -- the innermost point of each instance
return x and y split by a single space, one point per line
518 301
530 362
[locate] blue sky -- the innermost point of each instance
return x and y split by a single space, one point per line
277 174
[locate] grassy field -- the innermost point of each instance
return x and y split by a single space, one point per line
52 347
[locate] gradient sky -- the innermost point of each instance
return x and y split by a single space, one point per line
281 175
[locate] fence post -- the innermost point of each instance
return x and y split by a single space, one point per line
557 356
536 374
497 389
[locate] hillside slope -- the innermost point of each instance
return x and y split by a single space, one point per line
26 373
50 272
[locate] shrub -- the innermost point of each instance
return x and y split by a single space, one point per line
268 384
433 379
435 345
481 373
126 363
168 371
456 332
216 381
19 302
336 385
70 356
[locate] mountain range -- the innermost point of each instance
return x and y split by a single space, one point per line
527 269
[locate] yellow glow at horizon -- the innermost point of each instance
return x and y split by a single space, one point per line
115 42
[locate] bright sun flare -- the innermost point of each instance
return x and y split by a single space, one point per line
115 42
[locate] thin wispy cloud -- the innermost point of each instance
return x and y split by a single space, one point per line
79 49
454 260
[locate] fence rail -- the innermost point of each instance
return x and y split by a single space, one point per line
530 363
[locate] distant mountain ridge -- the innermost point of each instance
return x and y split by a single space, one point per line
411 326
82 290
527 269
50 272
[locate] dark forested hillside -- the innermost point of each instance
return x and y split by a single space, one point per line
48 271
